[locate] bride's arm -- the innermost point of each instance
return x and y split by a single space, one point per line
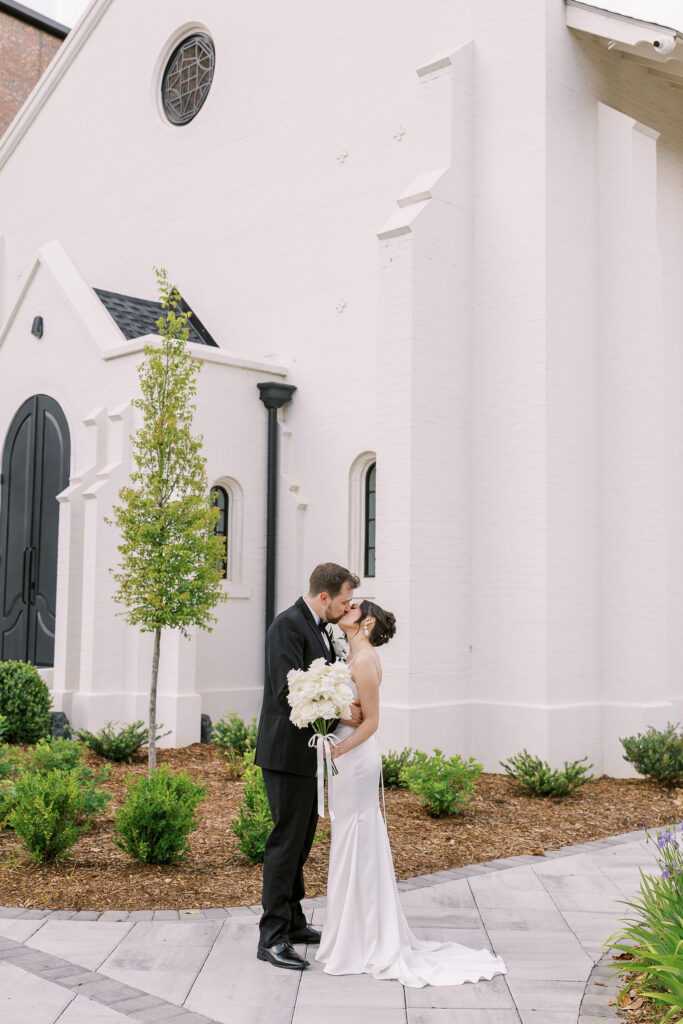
366 677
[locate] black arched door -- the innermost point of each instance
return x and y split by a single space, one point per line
35 468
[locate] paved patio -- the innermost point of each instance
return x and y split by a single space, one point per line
546 916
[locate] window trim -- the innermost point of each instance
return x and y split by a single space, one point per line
235 520
357 477
225 532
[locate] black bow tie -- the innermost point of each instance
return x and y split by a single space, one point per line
322 626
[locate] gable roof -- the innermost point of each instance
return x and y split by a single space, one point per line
100 327
138 317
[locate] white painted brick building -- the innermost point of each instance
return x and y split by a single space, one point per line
456 227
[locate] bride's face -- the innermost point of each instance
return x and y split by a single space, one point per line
351 618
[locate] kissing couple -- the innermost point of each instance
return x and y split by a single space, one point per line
365 929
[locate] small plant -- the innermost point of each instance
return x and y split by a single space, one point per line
3 727
253 823
67 756
8 798
392 763
657 754
444 785
9 762
62 755
540 779
24 703
234 738
121 745
158 815
653 935
52 810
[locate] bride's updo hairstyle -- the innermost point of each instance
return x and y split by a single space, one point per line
385 623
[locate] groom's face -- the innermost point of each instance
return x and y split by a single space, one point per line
339 605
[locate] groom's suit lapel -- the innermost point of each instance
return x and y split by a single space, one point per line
308 619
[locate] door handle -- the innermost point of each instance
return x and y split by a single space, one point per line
25 576
31 575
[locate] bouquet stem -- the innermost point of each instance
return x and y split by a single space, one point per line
320 726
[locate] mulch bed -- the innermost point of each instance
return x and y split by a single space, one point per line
503 821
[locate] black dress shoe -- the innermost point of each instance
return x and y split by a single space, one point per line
282 954
307 934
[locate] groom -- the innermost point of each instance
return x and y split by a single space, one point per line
295 639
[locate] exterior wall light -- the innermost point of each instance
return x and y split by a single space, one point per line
37 327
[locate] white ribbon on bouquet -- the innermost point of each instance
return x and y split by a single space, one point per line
323 748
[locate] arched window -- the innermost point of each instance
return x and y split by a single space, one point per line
220 500
369 521
362 517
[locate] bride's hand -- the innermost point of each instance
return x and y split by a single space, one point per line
356 713
336 750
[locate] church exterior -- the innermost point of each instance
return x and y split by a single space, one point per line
456 228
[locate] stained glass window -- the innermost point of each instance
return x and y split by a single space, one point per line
187 78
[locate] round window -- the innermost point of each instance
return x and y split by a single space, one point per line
187 78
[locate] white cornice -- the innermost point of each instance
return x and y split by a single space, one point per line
61 62
621 29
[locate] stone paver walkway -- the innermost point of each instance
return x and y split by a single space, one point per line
546 916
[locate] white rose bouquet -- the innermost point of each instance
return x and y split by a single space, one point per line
318 696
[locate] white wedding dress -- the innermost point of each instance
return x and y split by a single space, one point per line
365 930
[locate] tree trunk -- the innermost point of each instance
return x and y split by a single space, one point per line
152 749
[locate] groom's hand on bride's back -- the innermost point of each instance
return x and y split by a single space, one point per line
356 715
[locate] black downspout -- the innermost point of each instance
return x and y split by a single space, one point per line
273 396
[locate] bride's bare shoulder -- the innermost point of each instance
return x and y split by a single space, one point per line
367 665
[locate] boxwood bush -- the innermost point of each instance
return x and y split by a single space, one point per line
51 810
24 703
253 823
444 785
234 738
158 815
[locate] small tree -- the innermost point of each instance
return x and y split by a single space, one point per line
169 575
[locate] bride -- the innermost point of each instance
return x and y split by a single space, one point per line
365 930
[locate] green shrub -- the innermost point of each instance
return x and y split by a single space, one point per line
392 762
158 815
234 738
52 810
540 779
8 797
253 823
3 727
653 933
444 785
121 745
24 703
10 760
62 755
67 756
657 754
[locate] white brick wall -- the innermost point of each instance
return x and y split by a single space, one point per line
512 356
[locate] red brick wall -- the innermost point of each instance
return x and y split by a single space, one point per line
25 52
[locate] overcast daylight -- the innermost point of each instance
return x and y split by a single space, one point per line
341 511
66 12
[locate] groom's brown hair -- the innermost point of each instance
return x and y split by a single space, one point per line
330 578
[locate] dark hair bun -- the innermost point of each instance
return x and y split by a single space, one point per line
383 629
385 623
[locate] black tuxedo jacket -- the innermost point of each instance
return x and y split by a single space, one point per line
293 640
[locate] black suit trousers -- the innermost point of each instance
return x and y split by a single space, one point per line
293 801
